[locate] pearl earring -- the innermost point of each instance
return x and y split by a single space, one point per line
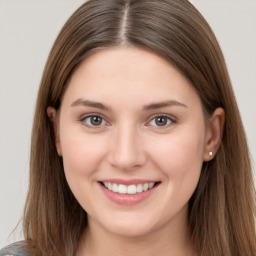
210 153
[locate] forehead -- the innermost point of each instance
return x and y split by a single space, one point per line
126 74
133 60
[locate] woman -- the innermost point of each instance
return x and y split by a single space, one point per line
137 147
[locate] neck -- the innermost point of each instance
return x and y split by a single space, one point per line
165 241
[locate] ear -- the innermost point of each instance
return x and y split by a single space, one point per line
53 116
214 133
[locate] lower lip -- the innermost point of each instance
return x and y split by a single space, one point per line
127 199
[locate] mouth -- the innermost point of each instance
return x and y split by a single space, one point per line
129 189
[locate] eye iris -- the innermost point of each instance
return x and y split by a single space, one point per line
161 120
96 120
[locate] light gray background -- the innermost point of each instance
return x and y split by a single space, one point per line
27 31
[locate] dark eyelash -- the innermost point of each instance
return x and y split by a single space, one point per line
174 120
83 117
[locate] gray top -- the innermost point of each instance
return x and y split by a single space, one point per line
15 249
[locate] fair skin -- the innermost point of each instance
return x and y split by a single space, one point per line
130 119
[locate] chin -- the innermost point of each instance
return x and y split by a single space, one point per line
130 226
130 231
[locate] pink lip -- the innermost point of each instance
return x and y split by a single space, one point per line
128 182
127 199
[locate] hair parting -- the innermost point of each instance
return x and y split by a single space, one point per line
222 209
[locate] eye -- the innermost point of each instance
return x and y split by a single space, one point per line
161 121
93 121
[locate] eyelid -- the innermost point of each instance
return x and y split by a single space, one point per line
85 116
82 118
172 119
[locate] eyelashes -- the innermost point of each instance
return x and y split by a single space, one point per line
95 120
161 121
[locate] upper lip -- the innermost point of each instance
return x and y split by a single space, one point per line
129 182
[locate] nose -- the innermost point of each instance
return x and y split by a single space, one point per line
127 152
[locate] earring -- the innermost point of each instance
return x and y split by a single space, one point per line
210 153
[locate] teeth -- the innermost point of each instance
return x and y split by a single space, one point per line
109 186
115 187
122 189
139 188
131 189
145 187
151 185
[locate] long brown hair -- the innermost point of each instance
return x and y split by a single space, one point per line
222 209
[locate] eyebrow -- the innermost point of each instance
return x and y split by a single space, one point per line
168 103
89 103
93 104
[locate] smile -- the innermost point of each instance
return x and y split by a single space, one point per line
130 192
129 189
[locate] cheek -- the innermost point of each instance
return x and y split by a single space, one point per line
179 159
81 154
180 156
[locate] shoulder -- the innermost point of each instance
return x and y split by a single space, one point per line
15 249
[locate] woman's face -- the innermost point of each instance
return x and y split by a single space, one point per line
133 138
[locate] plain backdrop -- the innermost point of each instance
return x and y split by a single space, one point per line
27 31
